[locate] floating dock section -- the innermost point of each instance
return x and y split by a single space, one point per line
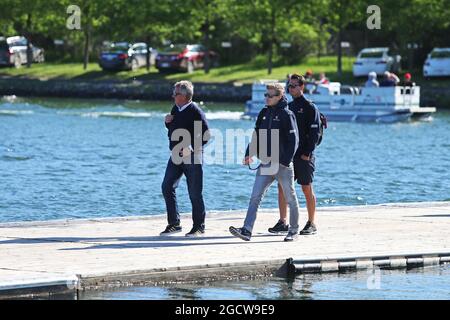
43 259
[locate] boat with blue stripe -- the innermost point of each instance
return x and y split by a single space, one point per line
349 103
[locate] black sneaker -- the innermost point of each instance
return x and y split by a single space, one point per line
291 236
171 229
309 229
241 233
195 232
280 227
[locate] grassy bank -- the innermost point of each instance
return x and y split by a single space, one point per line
243 73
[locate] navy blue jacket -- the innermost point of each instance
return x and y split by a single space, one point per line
185 120
277 117
308 123
387 83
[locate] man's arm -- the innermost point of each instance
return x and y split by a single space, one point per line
206 136
291 139
172 112
313 124
255 135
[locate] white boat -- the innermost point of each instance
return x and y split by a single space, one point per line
348 103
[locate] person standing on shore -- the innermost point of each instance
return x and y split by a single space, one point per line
308 122
276 153
188 132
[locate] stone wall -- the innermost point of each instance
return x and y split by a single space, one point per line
148 90
159 90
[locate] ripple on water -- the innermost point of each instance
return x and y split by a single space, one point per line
7 112
15 158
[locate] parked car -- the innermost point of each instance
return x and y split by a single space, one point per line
185 58
125 56
13 52
437 63
378 60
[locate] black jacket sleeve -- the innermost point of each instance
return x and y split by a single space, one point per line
313 129
255 135
200 116
290 137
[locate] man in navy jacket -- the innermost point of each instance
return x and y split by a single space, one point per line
188 132
308 122
276 153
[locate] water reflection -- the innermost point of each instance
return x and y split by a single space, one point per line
419 283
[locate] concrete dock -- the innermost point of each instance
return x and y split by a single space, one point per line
71 255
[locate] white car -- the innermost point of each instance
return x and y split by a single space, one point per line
378 60
437 63
18 47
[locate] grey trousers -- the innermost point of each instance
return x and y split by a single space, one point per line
285 177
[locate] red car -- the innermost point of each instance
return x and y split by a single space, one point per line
185 58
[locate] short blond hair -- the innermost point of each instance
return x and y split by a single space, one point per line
277 87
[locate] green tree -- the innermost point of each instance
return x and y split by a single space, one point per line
94 15
205 16
341 14
263 22
28 18
152 22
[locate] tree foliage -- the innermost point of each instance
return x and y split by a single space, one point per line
257 27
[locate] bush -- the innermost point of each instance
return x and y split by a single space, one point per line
303 39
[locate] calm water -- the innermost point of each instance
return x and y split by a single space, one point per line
65 158
423 283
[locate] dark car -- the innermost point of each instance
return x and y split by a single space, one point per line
13 52
184 58
125 56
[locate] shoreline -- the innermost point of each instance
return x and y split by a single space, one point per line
161 90
130 90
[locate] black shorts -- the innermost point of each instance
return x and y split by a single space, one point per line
304 170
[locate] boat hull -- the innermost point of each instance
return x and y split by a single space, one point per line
382 116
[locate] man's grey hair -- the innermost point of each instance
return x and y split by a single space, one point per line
186 88
277 87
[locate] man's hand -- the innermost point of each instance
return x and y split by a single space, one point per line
186 152
306 158
169 118
247 161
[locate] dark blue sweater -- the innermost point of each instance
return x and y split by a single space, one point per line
308 122
281 118
185 120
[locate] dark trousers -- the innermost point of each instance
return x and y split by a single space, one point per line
194 177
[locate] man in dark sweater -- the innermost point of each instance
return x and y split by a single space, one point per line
188 132
308 123
276 153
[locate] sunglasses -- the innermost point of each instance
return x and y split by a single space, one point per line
176 94
270 95
293 86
